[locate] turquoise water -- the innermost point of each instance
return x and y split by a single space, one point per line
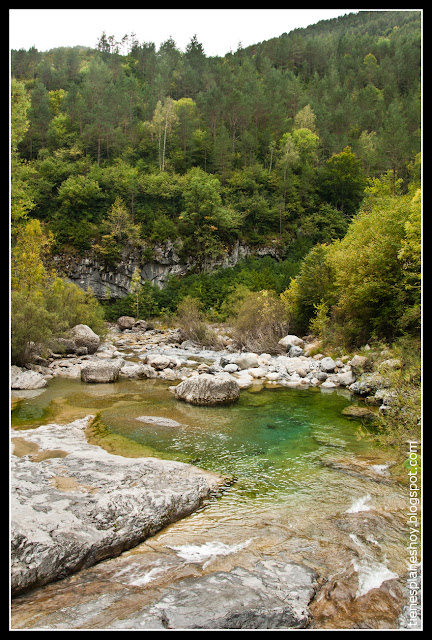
266 441
272 442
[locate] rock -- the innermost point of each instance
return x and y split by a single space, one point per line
292 364
83 336
353 411
69 513
125 322
206 389
26 379
137 371
328 364
346 378
392 363
159 421
140 325
273 594
291 341
328 384
359 364
230 367
272 376
105 371
295 352
312 346
369 383
66 368
158 362
64 345
257 372
247 360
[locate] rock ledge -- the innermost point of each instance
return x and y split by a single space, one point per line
78 504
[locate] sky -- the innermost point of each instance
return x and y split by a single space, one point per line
218 30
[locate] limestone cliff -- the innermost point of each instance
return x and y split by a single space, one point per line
90 271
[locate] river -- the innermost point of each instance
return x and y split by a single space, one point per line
304 486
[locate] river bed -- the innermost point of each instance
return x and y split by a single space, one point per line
303 487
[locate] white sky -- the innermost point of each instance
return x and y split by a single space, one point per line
218 30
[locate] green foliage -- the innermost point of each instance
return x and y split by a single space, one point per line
342 182
368 271
43 305
273 123
126 145
312 287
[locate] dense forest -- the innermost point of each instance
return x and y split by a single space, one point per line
309 141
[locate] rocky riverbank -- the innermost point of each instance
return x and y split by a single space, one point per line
161 353
73 503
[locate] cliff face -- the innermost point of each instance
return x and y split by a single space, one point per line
89 271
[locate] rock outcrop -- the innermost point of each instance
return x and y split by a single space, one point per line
89 271
74 504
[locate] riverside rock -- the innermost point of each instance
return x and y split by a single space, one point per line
207 389
26 379
83 336
247 360
328 364
291 341
74 504
125 322
104 371
273 594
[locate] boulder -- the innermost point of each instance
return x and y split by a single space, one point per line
328 364
137 371
230 367
159 362
83 336
295 352
353 411
206 389
26 379
125 322
247 360
105 371
346 378
291 341
359 364
64 345
369 383
257 372
140 325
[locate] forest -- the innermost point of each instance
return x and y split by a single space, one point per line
309 142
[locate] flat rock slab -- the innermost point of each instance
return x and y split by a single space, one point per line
74 504
274 594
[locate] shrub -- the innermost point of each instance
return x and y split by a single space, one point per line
260 322
192 325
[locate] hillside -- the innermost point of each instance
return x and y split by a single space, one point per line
125 147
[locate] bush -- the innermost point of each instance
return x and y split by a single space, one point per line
192 325
260 322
